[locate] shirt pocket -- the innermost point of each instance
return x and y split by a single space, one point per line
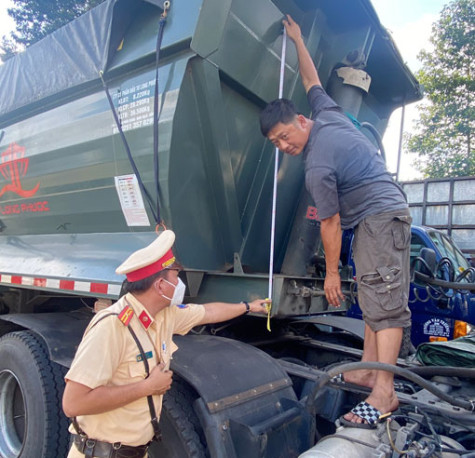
137 369
136 366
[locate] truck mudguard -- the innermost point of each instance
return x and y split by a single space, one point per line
61 332
246 403
202 360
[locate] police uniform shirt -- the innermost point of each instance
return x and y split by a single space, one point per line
108 355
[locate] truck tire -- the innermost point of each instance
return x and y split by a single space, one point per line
181 430
31 386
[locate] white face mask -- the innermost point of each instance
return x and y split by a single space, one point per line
178 294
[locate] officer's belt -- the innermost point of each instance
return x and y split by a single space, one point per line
92 448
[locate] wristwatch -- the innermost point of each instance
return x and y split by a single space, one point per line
248 307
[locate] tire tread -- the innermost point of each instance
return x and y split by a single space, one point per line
55 440
178 409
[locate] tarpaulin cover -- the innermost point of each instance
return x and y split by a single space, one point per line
459 352
71 56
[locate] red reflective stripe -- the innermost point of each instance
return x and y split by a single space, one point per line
100 288
66 284
40 282
70 285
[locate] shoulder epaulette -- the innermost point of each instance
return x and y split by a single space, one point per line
126 315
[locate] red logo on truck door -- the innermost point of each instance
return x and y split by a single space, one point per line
312 213
13 167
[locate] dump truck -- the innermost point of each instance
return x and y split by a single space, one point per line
144 113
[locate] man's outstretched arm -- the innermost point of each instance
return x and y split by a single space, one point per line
308 72
215 312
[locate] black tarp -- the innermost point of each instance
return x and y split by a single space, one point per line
71 56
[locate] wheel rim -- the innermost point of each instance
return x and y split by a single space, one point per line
12 415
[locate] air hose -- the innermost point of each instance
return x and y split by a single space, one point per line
379 140
455 282
445 284
409 375
446 371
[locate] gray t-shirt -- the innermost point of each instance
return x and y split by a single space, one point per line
343 171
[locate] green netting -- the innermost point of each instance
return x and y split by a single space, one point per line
459 352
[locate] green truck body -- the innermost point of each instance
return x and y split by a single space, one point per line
72 209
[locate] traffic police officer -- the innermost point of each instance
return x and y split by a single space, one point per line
120 373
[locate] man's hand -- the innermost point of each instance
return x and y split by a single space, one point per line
79 399
292 28
259 305
332 287
308 72
330 230
160 380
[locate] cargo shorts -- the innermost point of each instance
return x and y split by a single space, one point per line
381 249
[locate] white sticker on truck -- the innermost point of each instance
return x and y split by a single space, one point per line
131 200
436 327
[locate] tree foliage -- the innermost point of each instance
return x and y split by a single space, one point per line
35 19
444 131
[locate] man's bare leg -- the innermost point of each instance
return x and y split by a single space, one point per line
383 397
370 353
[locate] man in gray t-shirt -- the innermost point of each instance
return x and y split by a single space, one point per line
343 171
351 188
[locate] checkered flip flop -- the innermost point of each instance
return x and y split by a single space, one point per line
338 378
365 411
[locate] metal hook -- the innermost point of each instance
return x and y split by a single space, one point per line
157 227
166 7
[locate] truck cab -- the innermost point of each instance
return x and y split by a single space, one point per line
440 313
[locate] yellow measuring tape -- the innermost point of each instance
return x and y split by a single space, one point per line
268 308
274 192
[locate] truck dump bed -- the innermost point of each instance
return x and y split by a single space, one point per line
70 208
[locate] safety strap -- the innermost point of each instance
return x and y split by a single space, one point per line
153 413
355 121
127 149
153 204
78 429
161 26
